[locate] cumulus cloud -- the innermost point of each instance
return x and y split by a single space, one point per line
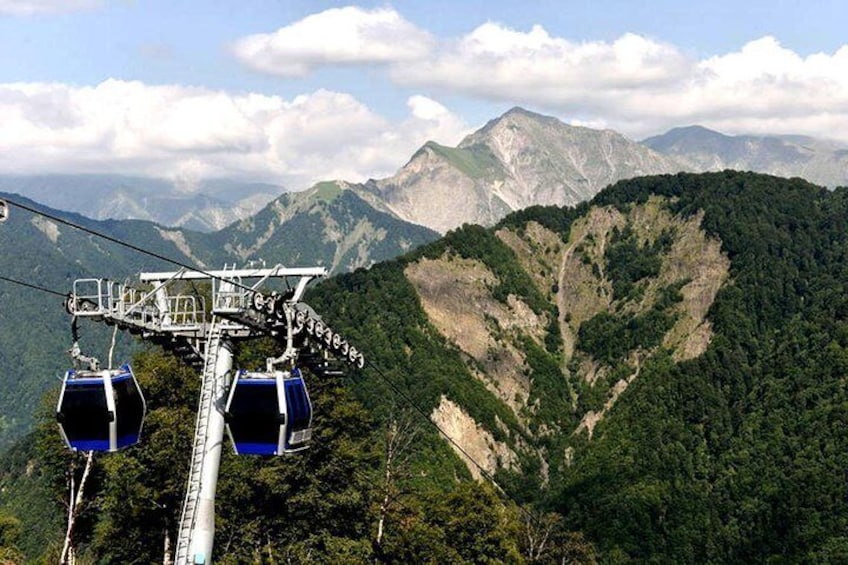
640 85
499 56
636 84
339 36
192 133
33 7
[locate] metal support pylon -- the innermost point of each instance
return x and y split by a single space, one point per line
182 324
196 533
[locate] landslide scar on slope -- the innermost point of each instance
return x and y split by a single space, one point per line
457 298
476 442
577 269
693 260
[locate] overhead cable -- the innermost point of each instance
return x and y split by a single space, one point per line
124 243
34 286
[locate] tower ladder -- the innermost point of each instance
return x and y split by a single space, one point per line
207 400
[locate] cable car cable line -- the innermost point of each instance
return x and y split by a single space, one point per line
34 286
405 397
483 472
126 244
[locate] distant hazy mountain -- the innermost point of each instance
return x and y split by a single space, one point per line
208 207
702 149
514 161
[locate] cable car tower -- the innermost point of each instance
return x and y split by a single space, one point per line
180 322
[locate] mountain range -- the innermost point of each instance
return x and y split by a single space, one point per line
700 149
517 160
208 206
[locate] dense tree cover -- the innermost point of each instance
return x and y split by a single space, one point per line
10 533
609 337
738 455
556 219
629 261
320 506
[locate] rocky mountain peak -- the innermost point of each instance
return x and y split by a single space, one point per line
517 160
514 117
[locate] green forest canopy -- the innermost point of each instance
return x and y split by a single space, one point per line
737 455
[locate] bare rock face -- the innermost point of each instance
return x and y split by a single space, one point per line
472 443
442 188
518 160
456 295
549 162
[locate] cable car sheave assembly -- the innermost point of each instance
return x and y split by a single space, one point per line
264 412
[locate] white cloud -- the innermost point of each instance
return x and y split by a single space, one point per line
498 63
191 133
501 55
339 36
635 84
429 118
641 86
33 7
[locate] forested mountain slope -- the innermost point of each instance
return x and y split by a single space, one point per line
657 375
667 363
326 226
35 331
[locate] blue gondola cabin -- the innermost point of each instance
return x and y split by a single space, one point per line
100 410
269 413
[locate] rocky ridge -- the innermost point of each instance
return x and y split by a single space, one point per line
701 149
517 160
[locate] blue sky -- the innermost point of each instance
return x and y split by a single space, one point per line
298 91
